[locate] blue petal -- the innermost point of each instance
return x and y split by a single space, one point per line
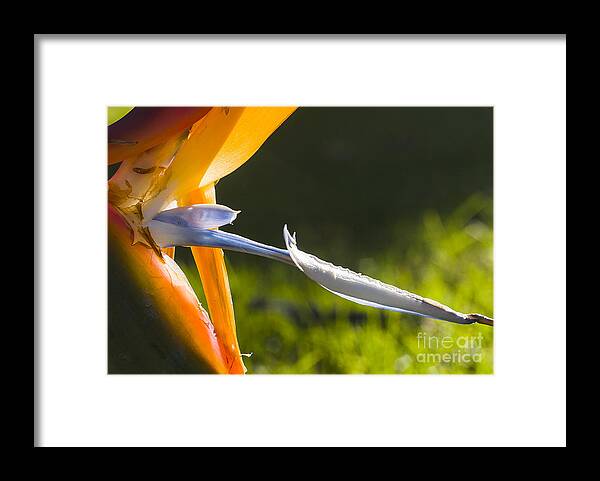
202 216
169 235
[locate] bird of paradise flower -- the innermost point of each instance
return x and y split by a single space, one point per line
162 196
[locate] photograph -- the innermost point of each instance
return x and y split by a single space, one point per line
310 240
300 240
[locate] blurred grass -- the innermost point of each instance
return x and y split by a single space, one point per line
292 325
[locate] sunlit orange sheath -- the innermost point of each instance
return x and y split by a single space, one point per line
156 323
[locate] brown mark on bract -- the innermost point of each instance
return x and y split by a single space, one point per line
122 142
138 210
155 248
139 170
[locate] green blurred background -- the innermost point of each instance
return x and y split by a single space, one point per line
401 194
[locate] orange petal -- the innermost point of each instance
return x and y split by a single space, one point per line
146 127
169 251
156 324
215 283
253 127
218 144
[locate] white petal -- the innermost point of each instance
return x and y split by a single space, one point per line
169 235
201 216
366 290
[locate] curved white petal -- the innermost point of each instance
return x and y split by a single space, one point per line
365 290
201 216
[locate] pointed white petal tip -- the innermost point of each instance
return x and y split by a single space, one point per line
367 291
201 216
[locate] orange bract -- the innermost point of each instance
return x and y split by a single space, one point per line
253 127
219 143
215 283
172 315
145 127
